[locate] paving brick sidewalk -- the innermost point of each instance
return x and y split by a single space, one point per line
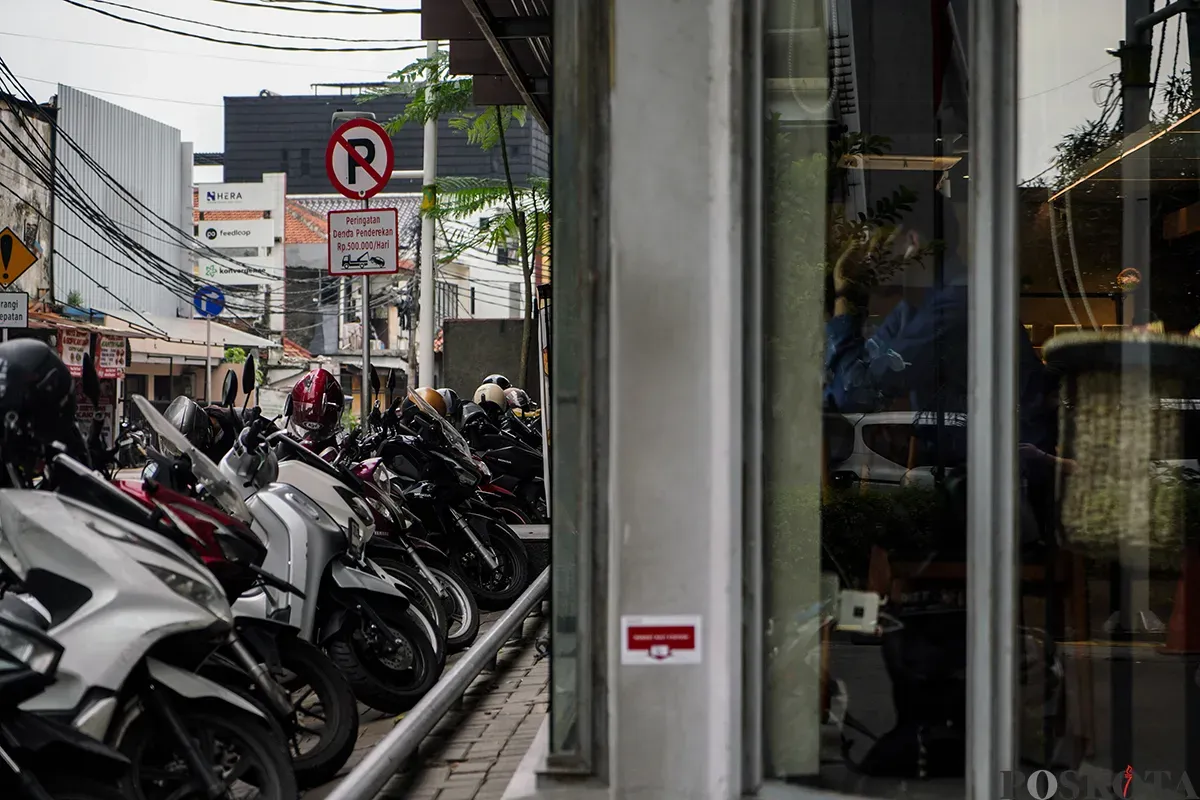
474 751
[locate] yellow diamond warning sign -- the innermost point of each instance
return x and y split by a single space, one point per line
15 257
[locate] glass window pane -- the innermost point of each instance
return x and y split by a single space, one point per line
1108 596
866 390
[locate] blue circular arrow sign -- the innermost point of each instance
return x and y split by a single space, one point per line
209 301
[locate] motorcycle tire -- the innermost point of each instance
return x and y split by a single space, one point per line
315 671
461 609
428 597
376 683
495 592
76 788
251 737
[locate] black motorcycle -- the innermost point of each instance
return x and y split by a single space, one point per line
439 480
518 485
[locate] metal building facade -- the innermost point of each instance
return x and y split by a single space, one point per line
147 158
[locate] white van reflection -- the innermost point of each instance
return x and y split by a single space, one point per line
886 454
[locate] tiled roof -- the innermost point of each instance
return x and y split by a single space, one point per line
302 225
293 350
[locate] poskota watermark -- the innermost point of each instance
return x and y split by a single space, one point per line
1044 784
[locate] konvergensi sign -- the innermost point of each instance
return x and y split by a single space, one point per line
236 197
236 233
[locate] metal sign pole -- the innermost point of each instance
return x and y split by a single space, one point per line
208 360
427 308
366 340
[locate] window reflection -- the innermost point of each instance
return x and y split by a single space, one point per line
1108 278
866 294
866 380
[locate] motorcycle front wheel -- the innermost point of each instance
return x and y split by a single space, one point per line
390 670
461 608
497 589
427 594
241 749
325 714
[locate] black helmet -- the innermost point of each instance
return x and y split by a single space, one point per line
499 380
192 421
453 406
517 398
36 386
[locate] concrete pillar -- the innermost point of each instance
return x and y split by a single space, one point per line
676 390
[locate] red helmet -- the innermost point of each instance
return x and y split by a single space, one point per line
317 402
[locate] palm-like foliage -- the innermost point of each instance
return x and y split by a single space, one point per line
518 213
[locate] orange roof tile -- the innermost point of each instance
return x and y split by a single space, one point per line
293 350
303 226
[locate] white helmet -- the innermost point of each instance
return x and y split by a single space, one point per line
491 393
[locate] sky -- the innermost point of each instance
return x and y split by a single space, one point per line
182 81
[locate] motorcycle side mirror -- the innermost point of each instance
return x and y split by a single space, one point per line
229 389
90 380
287 406
391 381
248 374
248 379
374 381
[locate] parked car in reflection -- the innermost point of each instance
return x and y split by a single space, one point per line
880 451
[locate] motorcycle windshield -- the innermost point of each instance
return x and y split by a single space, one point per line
453 437
208 473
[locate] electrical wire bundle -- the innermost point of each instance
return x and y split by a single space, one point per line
324 7
50 170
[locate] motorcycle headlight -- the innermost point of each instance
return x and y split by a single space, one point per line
359 536
206 595
382 510
383 477
21 644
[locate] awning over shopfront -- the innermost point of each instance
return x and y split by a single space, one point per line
182 341
503 44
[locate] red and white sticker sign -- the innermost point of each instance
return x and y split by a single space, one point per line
661 640
359 158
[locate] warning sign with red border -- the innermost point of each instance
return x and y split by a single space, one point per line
661 640
359 158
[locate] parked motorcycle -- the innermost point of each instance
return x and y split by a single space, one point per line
33 749
438 478
264 658
137 616
518 486
390 651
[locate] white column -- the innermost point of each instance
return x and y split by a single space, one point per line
676 324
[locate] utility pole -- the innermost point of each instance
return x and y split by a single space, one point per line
428 198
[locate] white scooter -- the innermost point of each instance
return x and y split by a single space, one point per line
136 614
388 648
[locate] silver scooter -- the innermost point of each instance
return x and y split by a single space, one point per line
387 647
136 615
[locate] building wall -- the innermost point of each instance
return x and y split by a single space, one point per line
144 156
474 349
25 205
289 134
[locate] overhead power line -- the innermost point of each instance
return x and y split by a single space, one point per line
257 45
330 7
123 94
214 26
177 54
